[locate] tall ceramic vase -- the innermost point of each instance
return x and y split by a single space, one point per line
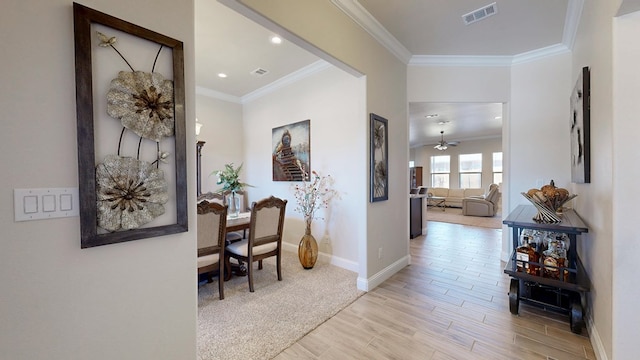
308 248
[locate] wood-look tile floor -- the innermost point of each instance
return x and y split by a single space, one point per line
450 303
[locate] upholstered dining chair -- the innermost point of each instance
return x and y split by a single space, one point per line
219 198
212 224
265 237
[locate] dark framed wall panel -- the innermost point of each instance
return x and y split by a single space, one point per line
87 68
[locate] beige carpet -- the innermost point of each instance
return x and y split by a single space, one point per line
454 215
261 324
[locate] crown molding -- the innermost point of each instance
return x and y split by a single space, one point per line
286 80
571 22
256 94
460 60
463 60
538 54
362 17
200 90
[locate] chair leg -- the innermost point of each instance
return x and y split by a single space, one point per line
221 278
259 264
278 267
250 275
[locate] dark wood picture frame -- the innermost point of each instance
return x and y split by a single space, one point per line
83 18
580 130
379 158
291 157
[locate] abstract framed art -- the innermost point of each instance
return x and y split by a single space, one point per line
291 151
131 132
379 159
580 128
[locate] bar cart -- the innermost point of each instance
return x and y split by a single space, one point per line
564 293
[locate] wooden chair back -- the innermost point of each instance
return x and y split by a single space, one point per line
267 221
265 236
211 233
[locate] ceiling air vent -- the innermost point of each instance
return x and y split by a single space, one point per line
259 72
480 14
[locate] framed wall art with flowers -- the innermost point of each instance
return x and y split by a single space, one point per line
379 177
581 128
130 130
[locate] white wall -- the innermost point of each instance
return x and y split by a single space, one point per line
539 121
458 83
624 240
223 136
334 102
538 131
339 40
422 157
595 203
134 300
470 84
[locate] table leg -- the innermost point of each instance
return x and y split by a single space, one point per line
239 269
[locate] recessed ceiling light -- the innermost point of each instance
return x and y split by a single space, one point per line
222 75
276 40
430 116
442 122
498 117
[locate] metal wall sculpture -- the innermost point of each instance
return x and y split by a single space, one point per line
131 130
581 129
379 157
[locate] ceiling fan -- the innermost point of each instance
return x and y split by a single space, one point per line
443 145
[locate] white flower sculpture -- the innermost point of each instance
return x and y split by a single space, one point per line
143 102
130 193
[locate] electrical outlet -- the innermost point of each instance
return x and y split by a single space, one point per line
379 253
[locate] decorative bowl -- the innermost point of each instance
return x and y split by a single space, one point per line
549 212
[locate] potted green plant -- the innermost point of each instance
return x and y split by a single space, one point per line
229 178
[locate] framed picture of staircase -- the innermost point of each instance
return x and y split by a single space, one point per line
291 151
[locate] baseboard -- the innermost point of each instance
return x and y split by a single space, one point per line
326 258
362 283
505 257
596 342
384 274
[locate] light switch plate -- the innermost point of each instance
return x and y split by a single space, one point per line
35 204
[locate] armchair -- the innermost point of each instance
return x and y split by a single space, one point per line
484 205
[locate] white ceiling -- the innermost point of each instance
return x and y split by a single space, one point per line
417 31
435 27
230 43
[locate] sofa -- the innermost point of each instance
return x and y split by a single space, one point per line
453 197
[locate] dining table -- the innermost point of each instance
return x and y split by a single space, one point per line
238 223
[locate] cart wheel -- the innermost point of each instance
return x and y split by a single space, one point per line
576 320
514 296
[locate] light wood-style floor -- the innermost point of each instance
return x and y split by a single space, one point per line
451 303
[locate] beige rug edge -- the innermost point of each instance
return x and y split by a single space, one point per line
454 216
262 324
